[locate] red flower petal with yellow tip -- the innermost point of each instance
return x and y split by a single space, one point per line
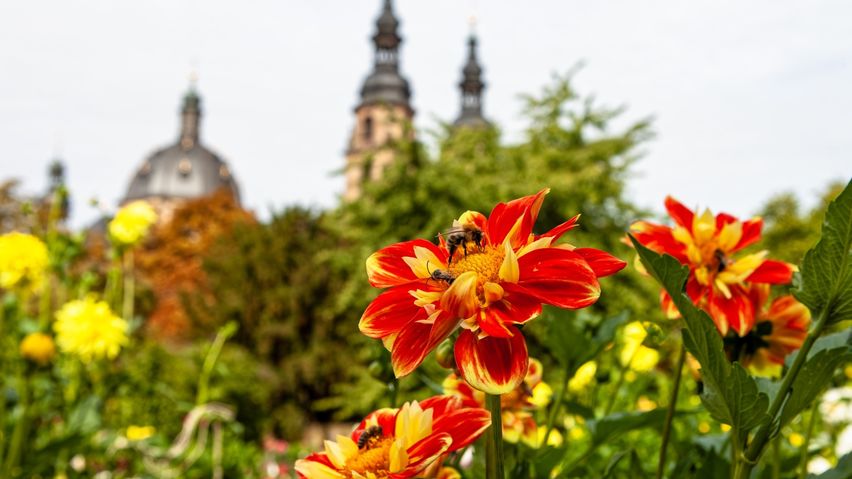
559 277
414 342
772 272
682 215
499 275
493 365
391 266
398 443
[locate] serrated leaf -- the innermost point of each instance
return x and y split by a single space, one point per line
825 280
814 376
730 394
829 341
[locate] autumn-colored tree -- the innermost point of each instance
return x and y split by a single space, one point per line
170 262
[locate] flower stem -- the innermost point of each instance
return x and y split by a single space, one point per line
621 377
494 441
556 407
18 434
803 460
670 411
129 287
755 449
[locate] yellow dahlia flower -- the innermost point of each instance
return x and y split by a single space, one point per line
132 222
38 348
89 329
23 261
139 433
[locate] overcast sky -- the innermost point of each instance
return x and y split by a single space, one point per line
749 98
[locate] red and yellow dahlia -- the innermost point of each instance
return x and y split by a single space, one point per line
496 280
517 407
779 331
399 443
717 282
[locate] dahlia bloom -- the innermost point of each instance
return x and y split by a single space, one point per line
517 407
495 280
132 222
717 282
399 443
23 261
779 330
38 348
89 329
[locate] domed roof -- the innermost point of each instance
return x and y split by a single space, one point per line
186 169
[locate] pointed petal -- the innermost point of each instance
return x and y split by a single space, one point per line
517 217
751 233
390 312
659 238
516 307
463 425
558 277
772 272
601 262
317 466
680 214
460 298
493 365
424 453
416 340
509 268
388 267
736 312
560 230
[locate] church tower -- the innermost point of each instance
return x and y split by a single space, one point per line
383 111
471 87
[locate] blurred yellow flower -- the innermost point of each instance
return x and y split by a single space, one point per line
633 354
132 222
703 427
23 261
555 439
38 348
541 395
139 433
796 439
645 404
89 329
725 427
583 377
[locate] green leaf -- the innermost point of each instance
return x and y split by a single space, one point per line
613 463
730 394
825 280
829 341
814 376
614 425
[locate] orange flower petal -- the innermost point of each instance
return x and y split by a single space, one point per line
516 217
493 365
751 233
425 452
560 230
417 339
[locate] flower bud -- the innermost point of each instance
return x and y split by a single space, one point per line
445 356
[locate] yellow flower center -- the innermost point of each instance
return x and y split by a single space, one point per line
485 263
374 458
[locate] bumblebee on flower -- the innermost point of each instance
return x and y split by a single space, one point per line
498 277
718 281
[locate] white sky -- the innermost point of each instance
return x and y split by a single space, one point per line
749 98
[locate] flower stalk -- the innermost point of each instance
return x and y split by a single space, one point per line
670 411
494 440
748 459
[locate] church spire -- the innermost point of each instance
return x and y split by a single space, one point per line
385 84
471 89
190 116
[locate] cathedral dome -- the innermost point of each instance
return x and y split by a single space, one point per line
183 170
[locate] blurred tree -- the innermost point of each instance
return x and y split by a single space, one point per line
787 231
170 262
281 281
